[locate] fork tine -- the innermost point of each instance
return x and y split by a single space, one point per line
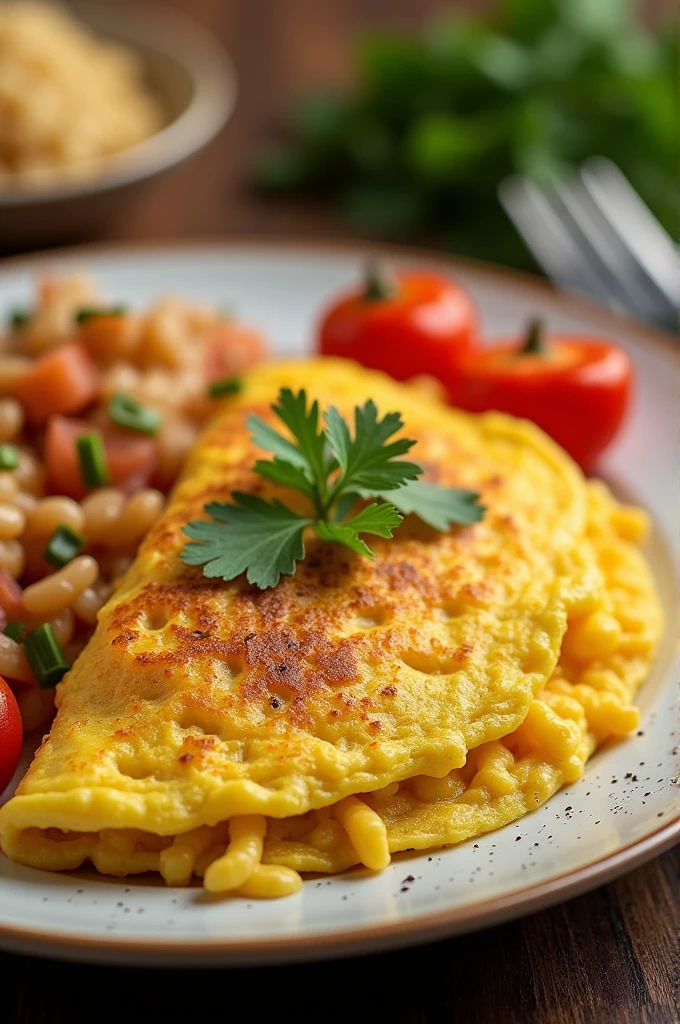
626 277
635 225
548 238
595 235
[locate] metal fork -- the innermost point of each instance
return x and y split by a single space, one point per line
592 233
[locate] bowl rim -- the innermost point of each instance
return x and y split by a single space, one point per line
215 85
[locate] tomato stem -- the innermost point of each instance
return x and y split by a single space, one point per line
534 344
379 285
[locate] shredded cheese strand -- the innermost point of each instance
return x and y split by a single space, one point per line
177 863
244 853
271 881
366 830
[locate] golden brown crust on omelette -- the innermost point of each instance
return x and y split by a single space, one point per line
197 700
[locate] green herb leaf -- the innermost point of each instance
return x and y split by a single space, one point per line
286 474
266 437
366 460
337 533
310 456
439 507
331 468
263 539
303 424
379 520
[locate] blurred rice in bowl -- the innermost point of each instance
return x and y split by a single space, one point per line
94 101
67 97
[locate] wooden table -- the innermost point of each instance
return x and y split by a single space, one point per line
604 958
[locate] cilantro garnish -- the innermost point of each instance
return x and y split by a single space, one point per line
333 468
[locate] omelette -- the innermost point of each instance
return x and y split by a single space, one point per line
362 706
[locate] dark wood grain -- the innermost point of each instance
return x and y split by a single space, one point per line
609 957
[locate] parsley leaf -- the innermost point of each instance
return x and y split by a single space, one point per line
366 460
304 426
379 520
439 507
285 473
310 456
266 437
332 468
262 539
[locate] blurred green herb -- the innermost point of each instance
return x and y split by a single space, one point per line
438 120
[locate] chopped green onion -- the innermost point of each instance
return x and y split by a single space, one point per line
15 631
9 457
63 546
18 318
227 386
92 458
45 656
88 312
127 412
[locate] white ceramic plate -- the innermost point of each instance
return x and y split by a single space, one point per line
619 814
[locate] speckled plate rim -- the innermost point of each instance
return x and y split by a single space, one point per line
426 927
351 942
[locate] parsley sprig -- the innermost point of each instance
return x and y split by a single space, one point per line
333 468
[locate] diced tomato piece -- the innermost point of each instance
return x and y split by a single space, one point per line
130 460
48 287
109 337
231 350
61 456
10 598
63 381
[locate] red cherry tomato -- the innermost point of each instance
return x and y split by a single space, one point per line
11 734
577 389
413 323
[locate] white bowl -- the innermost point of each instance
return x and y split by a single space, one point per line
196 83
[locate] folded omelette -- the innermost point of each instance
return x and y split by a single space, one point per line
362 706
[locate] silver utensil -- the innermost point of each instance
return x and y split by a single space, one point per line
591 232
